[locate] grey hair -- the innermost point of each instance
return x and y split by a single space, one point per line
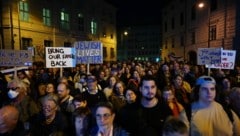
19 84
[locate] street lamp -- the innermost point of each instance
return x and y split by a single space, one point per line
203 5
124 46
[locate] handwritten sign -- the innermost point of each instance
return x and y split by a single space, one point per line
15 58
227 60
57 57
89 52
209 56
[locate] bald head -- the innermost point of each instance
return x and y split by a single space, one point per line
8 119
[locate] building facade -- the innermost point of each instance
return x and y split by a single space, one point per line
38 24
187 27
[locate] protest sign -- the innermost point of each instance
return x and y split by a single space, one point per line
227 60
209 56
15 58
60 57
89 52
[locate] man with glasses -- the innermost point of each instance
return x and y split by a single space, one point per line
50 121
105 115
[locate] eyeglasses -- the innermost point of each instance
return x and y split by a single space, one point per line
13 88
104 116
48 107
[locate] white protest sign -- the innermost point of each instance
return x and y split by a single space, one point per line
227 60
15 58
208 56
89 52
60 57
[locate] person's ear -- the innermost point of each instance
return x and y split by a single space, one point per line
113 115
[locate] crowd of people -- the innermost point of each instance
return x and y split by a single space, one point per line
121 99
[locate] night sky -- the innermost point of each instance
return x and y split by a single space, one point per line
134 12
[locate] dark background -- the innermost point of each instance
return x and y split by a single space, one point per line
138 12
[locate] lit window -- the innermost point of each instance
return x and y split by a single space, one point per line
93 27
65 20
46 17
24 11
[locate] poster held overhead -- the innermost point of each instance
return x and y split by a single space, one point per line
60 57
89 52
209 56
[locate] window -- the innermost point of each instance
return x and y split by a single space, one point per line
93 27
48 43
173 42
46 17
193 38
80 22
193 12
104 52
111 36
112 53
26 42
181 19
65 20
24 11
212 33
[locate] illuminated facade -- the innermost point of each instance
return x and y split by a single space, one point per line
187 27
53 23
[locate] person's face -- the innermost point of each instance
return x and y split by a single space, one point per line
80 123
64 81
130 96
14 87
168 95
62 91
207 92
178 81
78 104
148 89
176 66
50 88
135 74
119 88
186 69
101 75
20 75
104 117
41 89
92 85
112 81
49 108
226 83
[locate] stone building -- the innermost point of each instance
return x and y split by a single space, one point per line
36 24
